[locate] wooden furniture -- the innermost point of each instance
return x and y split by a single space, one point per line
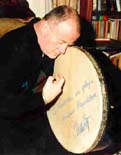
8 24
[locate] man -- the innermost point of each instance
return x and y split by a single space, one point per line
26 62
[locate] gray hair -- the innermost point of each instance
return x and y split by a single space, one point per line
62 13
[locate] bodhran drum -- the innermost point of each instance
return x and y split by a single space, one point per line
81 117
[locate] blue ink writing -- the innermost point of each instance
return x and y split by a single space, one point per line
86 101
79 128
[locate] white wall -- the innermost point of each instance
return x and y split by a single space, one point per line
40 7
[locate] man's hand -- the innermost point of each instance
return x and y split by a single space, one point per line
52 88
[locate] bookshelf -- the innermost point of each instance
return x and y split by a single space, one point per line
106 19
102 20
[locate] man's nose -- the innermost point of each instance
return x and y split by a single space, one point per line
63 48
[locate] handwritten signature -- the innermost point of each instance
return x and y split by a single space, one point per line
80 127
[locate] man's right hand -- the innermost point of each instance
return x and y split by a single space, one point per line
52 88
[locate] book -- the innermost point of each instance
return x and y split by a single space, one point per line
118 5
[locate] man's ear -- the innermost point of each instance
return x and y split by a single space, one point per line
45 27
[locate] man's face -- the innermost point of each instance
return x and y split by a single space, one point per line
60 37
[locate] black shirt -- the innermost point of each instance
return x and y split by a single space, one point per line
25 129
22 68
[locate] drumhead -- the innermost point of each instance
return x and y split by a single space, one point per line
78 117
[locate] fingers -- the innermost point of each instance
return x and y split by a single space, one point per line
60 82
50 79
53 87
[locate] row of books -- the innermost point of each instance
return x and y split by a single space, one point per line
107 29
107 5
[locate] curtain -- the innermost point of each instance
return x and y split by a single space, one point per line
86 9
40 7
48 6
73 3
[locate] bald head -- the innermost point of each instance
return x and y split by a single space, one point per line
57 30
61 14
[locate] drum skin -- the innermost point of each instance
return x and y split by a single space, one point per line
82 115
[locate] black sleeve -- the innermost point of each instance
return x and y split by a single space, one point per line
15 105
15 68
